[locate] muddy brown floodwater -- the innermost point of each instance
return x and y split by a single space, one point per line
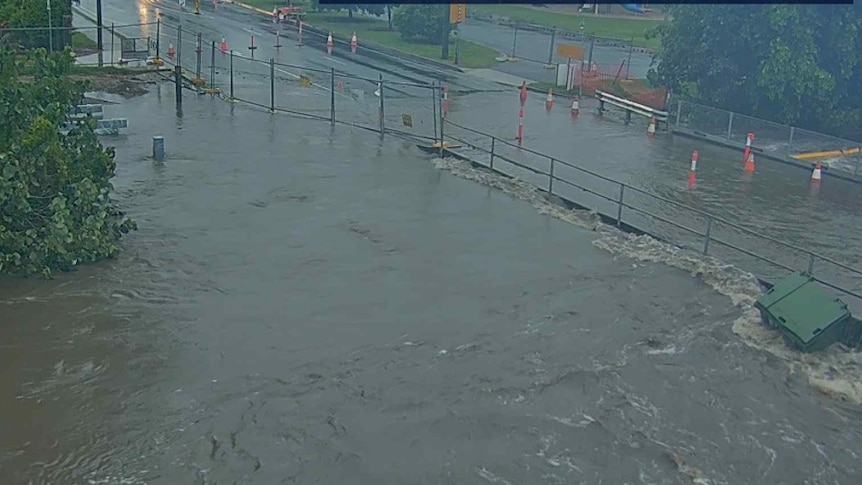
303 305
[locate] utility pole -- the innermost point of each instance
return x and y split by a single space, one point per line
50 30
444 54
99 31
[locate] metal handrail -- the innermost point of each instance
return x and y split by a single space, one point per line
622 204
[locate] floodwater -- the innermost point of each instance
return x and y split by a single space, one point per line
330 307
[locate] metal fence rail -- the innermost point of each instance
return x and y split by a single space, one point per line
628 206
774 138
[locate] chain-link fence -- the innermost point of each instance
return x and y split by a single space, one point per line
209 67
773 138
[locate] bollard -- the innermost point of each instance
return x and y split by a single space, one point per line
159 148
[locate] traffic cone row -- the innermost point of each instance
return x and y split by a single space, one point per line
748 168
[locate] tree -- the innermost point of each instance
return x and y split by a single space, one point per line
797 64
423 23
55 205
33 14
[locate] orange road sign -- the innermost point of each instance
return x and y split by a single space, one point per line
457 13
570 51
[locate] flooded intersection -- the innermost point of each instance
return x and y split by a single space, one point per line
303 305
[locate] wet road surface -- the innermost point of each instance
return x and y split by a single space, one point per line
335 309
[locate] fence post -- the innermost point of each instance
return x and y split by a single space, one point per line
629 63
551 48
198 49
178 75
515 40
212 67
332 96
380 113
790 142
112 45
706 235
729 125
231 76
442 142
272 85
551 178
158 34
810 263
620 205
434 107
493 142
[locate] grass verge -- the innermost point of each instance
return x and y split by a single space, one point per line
616 28
374 31
377 32
80 42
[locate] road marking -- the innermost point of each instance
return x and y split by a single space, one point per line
332 59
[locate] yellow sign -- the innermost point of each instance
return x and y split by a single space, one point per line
407 120
570 51
457 13
304 81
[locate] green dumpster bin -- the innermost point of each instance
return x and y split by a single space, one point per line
808 317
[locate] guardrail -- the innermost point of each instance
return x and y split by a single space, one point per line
661 117
620 202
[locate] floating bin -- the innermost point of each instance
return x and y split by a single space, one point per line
808 317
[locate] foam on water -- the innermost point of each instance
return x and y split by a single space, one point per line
836 371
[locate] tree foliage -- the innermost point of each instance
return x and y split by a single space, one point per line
33 14
423 23
797 64
55 206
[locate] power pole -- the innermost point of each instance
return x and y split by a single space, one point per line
99 30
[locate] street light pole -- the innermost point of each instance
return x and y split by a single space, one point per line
50 30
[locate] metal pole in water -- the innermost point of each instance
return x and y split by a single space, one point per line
706 236
159 148
158 34
380 90
231 76
178 76
629 63
729 125
551 179
434 106
493 142
272 84
620 205
332 96
551 47
198 49
212 67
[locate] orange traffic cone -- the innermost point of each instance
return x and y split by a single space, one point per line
223 45
445 100
651 128
576 107
747 151
692 177
816 173
749 163
329 43
549 101
171 51
354 43
340 86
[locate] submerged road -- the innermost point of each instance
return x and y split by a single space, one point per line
331 308
777 200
